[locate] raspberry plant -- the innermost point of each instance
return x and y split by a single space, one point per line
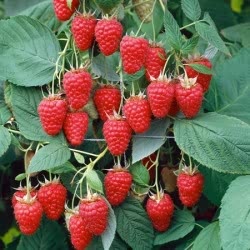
136 114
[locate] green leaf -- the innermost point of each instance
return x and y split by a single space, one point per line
216 192
140 174
201 68
216 141
20 177
44 12
154 138
24 104
238 33
94 180
5 113
235 215
106 66
48 157
49 236
230 89
210 34
183 223
191 9
173 34
5 140
80 159
23 61
109 234
67 167
118 244
129 78
208 238
96 244
133 225
189 45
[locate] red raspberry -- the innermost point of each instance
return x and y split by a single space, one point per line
62 11
117 183
83 30
160 95
28 213
133 53
108 33
20 193
190 187
138 113
189 95
75 127
94 212
107 99
174 108
117 134
79 235
155 61
160 211
203 79
77 85
52 196
52 111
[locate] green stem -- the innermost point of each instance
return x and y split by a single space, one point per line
82 152
156 163
198 225
191 24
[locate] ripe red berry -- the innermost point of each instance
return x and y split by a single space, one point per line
75 127
108 33
79 235
117 183
62 10
189 95
138 113
20 193
174 108
77 85
94 212
160 211
83 30
203 79
117 134
155 61
107 99
190 187
28 213
52 111
52 196
160 94
133 53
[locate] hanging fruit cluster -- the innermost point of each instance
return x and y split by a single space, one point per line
66 108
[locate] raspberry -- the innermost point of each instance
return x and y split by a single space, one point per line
203 79
144 9
20 193
79 235
107 5
108 33
160 211
52 196
75 127
138 113
52 111
160 94
94 212
155 61
62 11
190 187
83 30
189 95
117 183
133 53
107 99
28 213
117 134
77 85
174 108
